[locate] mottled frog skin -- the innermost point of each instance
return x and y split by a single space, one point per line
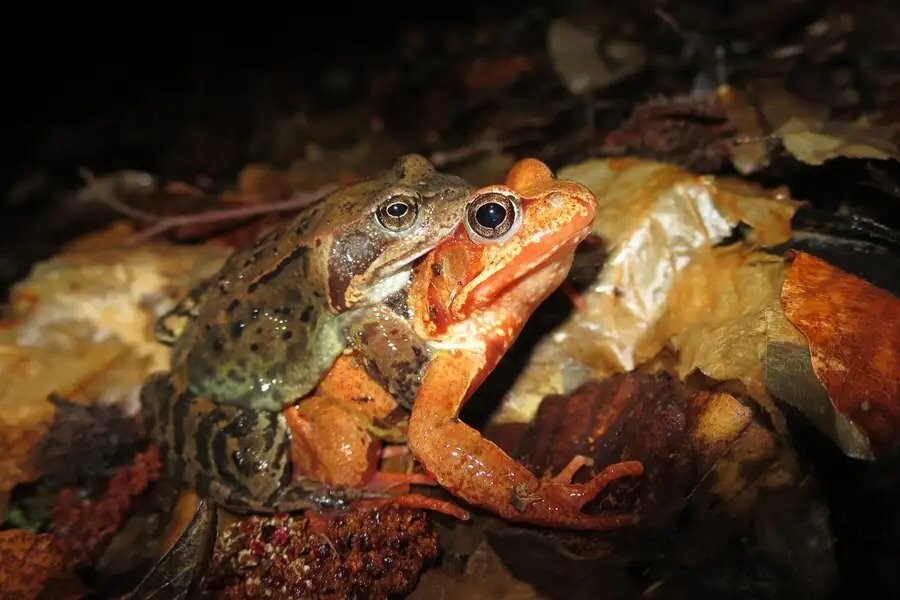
260 335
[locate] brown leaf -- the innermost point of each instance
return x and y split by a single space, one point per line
692 132
755 111
815 142
35 565
98 435
86 527
853 328
715 466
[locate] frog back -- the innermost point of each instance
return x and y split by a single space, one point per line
263 333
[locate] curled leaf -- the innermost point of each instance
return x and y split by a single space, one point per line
853 328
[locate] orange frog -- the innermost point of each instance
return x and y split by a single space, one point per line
471 297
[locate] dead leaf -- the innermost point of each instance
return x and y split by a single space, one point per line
756 110
720 311
35 565
853 328
586 63
655 219
96 434
789 376
80 326
716 469
685 441
484 578
689 131
86 527
177 574
815 142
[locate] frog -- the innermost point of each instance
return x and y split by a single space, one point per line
262 333
471 297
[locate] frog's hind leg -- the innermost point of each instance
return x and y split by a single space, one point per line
237 457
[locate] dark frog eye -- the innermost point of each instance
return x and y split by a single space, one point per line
398 211
491 215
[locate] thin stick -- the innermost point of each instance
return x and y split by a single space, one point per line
297 201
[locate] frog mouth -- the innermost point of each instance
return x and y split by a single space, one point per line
532 260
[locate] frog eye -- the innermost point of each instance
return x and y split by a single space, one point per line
491 215
398 211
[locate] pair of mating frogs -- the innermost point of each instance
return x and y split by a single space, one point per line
365 324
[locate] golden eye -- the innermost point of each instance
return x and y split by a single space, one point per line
491 215
398 211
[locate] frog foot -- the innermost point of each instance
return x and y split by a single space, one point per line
559 502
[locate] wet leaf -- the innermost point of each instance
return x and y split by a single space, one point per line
815 142
177 574
853 328
655 219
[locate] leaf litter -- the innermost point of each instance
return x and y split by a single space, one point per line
689 338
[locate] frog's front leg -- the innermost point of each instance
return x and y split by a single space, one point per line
476 470
392 353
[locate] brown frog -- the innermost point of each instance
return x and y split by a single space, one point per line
263 332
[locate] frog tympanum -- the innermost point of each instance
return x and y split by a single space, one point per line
372 319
